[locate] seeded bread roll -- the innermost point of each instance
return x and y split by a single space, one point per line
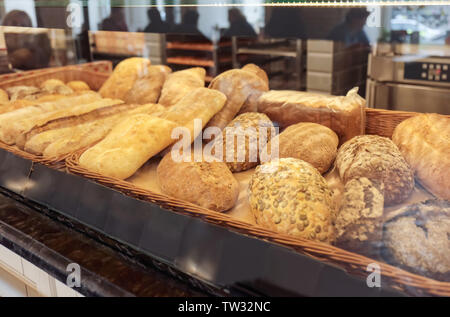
310 142
247 127
418 239
424 141
207 184
378 159
290 196
360 219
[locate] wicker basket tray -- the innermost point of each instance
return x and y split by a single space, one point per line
94 79
381 122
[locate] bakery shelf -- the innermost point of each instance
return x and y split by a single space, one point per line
181 60
196 46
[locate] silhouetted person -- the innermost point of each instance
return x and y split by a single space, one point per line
26 51
156 25
115 22
351 32
285 22
188 24
238 25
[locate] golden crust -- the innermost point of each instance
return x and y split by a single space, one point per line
180 83
290 196
4 98
207 184
378 159
78 85
128 146
238 86
424 141
148 88
310 142
124 76
248 126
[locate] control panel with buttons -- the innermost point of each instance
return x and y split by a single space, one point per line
437 72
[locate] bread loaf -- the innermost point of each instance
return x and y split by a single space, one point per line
344 115
123 77
10 119
200 103
22 92
71 135
128 146
251 103
207 184
378 159
241 140
148 88
55 86
239 86
359 223
417 239
78 85
290 196
424 141
20 128
180 83
310 142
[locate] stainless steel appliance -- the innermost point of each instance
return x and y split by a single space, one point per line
409 78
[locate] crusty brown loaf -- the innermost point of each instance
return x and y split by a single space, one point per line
344 115
148 88
359 222
248 126
239 86
378 159
180 83
290 196
418 239
424 141
124 76
258 71
207 184
310 142
251 103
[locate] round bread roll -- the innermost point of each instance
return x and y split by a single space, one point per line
55 86
207 184
310 142
290 196
418 238
78 85
378 159
247 127
360 219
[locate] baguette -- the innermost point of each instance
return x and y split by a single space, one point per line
4 98
180 83
128 146
15 132
78 132
123 77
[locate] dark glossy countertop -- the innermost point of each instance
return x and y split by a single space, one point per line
51 245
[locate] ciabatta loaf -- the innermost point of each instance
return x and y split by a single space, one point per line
128 146
424 141
148 88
